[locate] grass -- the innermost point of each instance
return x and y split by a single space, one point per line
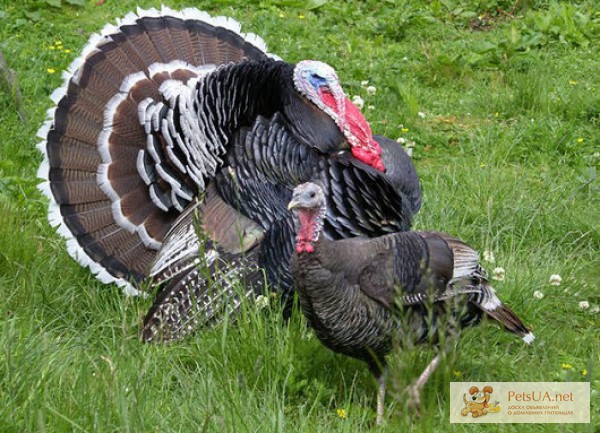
507 149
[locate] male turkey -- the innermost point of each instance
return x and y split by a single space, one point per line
172 115
361 295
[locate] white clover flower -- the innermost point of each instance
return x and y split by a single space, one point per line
488 256
584 305
358 101
595 309
499 274
409 147
364 84
421 115
371 107
371 90
555 280
400 140
262 302
538 294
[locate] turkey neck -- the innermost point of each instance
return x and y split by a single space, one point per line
309 225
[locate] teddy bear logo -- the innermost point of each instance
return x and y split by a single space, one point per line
478 402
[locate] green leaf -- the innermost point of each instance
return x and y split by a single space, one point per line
53 3
483 47
33 15
76 2
314 4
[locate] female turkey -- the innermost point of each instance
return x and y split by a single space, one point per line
361 295
146 133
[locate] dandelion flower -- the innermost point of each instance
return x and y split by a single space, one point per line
488 256
555 280
584 372
364 84
67 50
584 305
499 274
358 101
341 413
405 130
567 366
51 47
262 302
371 90
538 294
580 140
301 17
51 70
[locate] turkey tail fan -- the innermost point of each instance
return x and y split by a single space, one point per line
107 192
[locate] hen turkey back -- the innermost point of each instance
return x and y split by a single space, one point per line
144 120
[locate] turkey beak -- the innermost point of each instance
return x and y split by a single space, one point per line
293 204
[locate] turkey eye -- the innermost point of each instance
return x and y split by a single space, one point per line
313 194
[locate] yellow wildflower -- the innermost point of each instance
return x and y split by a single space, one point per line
457 373
341 413
566 366
584 371
580 140
572 82
51 70
67 50
57 43
301 17
404 130
51 47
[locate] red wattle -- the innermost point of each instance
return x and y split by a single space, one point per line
304 247
367 150
329 100
305 235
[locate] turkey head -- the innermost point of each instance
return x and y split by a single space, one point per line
308 205
343 122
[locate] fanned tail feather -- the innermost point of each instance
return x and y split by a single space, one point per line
98 171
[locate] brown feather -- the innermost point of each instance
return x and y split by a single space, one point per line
73 154
159 35
89 216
